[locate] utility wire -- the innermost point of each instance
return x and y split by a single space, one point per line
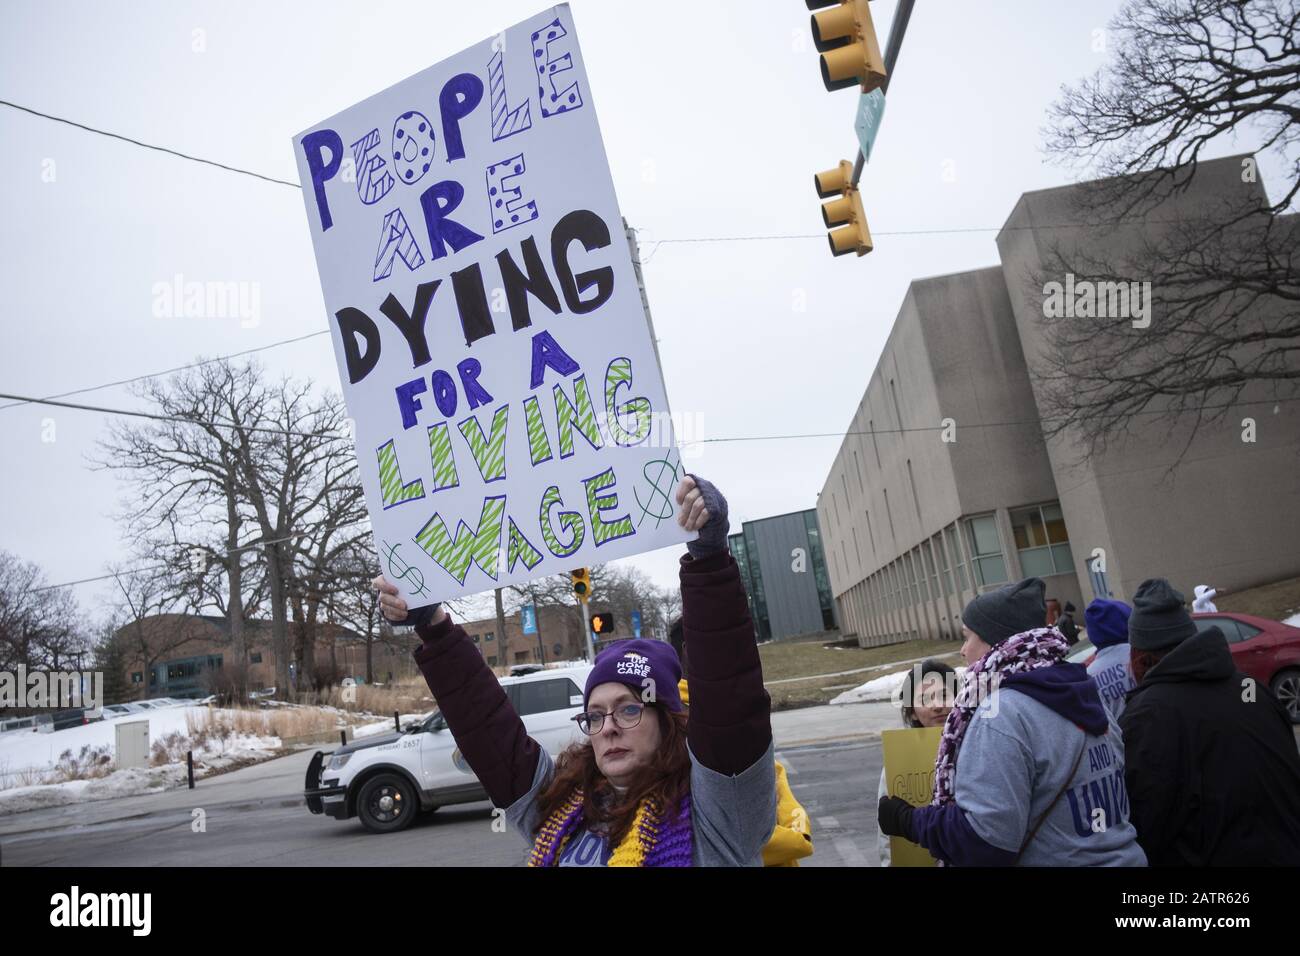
143 145
178 368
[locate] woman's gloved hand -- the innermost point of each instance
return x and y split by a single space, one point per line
702 509
396 611
895 817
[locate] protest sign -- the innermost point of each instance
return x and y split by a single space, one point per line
510 415
909 773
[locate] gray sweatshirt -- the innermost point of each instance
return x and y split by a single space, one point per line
1114 676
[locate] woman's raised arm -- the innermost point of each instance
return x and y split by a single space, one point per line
487 730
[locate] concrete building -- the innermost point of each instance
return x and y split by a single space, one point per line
945 485
784 569
183 655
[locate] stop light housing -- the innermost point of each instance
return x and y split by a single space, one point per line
845 36
843 211
581 581
602 623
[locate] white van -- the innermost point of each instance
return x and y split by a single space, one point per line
388 779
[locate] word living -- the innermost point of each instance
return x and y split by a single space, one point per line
102 909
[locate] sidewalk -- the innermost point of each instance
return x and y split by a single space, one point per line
812 725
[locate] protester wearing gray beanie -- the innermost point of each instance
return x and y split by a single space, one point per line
1159 620
1010 610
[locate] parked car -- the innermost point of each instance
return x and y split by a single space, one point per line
1268 651
1082 652
388 779
72 717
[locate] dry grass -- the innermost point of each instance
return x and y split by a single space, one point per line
408 696
1274 602
782 660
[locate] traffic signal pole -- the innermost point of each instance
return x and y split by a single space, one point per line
895 42
586 624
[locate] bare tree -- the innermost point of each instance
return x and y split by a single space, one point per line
40 627
249 485
1185 77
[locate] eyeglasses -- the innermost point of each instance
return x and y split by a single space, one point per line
625 718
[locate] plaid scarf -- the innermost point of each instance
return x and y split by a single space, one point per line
654 839
1027 651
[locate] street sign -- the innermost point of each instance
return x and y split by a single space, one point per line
871 109
636 623
528 618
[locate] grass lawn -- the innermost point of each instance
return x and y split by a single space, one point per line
782 661
1274 601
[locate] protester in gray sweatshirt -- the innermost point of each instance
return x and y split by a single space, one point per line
1108 630
1040 781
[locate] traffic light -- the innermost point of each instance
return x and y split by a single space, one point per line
581 580
845 36
602 623
844 211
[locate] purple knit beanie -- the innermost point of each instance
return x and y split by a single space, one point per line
640 665
1107 622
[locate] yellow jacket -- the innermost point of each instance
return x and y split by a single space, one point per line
791 841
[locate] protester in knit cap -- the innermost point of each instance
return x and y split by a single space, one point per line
993 807
633 792
1107 623
1212 767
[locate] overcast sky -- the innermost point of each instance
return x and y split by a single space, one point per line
714 119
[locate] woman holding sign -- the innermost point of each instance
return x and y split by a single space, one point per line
650 786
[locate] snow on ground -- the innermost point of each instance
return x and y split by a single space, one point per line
1293 620
878 688
386 726
25 755
881 688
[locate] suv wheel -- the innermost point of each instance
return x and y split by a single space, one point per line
387 803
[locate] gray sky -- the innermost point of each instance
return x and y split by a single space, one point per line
714 118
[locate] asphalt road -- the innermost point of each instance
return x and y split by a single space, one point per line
257 816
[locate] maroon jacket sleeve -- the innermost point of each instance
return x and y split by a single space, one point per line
487 730
730 713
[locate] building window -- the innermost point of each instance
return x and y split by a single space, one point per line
988 564
255 657
492 661
521 657
820 577
489 637
137 677
474 638
956 556
1042 541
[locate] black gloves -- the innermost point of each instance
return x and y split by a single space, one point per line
895 817
417 616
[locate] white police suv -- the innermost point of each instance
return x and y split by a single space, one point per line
388 779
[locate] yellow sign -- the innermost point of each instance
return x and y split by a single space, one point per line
909 773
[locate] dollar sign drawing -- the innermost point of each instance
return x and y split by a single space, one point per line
664 511
398 567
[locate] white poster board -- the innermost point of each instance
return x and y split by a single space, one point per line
509 414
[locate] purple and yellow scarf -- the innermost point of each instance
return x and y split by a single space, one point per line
654 839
